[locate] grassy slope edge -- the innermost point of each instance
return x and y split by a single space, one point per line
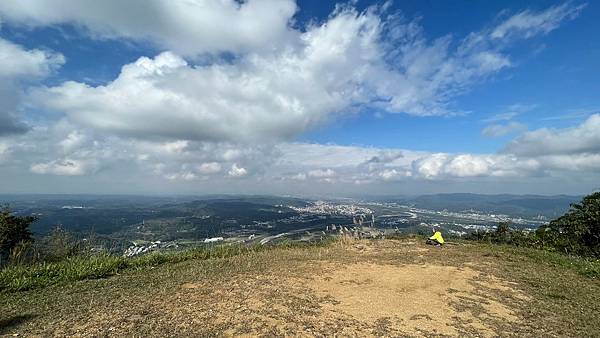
564 291
39 275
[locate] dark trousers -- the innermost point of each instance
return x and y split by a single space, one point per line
432 242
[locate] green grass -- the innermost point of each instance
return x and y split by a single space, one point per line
38 275
585 266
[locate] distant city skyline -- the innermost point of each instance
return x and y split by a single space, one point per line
301 98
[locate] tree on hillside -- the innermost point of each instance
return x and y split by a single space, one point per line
14 230
578 231
503 231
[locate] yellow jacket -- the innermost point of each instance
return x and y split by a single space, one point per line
437 236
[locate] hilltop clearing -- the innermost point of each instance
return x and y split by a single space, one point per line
356 288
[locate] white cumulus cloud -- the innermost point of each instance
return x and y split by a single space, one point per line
237 171
188 27
192 117
584 138
64 150
209 168
20 67
276 94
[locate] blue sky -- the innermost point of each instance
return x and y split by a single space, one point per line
556 74
426 96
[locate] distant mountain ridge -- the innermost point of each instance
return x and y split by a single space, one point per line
520 205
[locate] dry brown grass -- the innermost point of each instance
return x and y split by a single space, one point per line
350 288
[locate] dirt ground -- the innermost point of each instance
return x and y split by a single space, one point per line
415 299
353 288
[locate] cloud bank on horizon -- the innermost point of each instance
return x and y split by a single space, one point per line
233 87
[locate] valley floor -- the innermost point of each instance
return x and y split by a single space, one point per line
348 288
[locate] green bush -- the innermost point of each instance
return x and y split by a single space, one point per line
504 234
14 232
577 231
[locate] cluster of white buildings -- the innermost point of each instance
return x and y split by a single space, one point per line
481 217
326 208
138 249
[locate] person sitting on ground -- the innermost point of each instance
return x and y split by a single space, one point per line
436 239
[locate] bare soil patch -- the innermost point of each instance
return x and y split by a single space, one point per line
414 299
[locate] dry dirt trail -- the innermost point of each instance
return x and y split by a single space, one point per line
356 288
